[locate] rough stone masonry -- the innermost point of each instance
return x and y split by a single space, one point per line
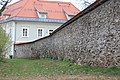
90 38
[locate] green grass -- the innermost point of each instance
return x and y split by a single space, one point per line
48 67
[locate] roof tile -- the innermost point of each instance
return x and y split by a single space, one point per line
54 9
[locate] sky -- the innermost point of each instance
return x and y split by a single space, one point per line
78 3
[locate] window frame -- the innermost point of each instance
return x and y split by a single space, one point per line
49 31
27 31
41 14
42 32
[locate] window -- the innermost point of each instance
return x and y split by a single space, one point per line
40 32
42 15
50 31
70 16
5 16
25 32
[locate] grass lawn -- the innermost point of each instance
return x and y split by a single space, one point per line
15 69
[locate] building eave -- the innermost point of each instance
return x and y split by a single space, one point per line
33 20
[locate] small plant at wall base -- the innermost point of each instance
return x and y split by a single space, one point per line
4 39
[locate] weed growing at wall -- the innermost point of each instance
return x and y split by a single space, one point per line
3 43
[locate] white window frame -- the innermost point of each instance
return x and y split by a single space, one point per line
40 15
27 31
43 15
49 30
69 16
42 32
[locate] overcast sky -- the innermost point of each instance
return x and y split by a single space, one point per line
77 3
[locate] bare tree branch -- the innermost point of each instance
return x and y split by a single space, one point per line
82 4
4 3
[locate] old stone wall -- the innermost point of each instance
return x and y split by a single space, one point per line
92 39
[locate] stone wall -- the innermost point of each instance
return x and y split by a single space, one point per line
91 39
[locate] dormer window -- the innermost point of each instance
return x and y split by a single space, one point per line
69 16
5 16
42 14
69 13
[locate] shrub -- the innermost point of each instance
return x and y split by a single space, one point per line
4 39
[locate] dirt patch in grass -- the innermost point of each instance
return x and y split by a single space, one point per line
65 77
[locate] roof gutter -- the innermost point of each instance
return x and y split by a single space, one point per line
33 20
